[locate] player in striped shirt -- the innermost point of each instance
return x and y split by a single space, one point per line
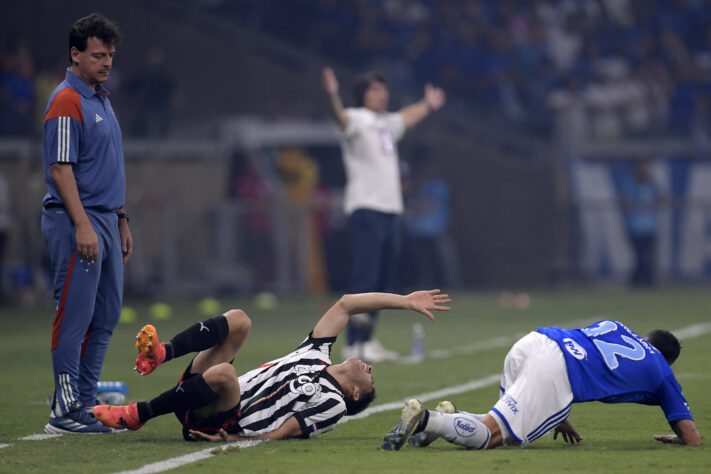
299 395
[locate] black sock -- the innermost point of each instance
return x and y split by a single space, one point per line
423 422
193 393
198 337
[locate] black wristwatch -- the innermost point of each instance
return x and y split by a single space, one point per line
123 215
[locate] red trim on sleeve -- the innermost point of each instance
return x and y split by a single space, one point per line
57 325
66 103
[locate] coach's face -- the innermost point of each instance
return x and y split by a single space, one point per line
376 97
361 374
93 65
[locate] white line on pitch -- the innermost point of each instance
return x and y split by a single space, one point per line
179 461
5 445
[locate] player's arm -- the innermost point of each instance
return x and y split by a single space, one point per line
330 84
434 99
126 237
290 429
87 240
685 433
335 319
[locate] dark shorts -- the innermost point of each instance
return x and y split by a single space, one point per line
226 420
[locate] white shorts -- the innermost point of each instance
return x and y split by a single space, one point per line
535 391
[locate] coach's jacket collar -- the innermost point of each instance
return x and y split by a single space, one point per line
82 87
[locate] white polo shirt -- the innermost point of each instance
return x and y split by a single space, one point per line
370 157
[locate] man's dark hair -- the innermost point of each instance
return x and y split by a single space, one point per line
96 26
362 83
666 343
356 406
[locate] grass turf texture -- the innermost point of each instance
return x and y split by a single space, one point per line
618 438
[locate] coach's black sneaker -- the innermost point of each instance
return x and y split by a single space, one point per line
412 414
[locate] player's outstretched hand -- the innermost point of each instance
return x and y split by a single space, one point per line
435 97
425 301
218 438
330 83
667 438
567 430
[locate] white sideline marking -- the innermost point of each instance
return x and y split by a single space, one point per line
5 445
40 436
426 397
493 343
693 331
179 461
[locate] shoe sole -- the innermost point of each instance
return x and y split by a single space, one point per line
146 340
411 416
147 344
51 429
421 440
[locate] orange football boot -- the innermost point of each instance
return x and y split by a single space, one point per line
151 352
118 416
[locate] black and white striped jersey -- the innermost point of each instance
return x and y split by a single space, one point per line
294 385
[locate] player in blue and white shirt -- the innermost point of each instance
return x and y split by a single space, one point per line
547 371
299 395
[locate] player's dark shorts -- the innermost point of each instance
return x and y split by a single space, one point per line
226 420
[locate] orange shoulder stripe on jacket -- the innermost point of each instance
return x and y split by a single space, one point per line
67 103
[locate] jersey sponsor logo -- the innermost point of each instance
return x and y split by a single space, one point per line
98 118
464 427
304 385
511 403
574 349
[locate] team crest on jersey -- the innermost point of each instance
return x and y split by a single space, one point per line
304 385
574 349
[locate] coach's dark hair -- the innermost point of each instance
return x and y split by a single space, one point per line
362 83
96 26
666 343
356 406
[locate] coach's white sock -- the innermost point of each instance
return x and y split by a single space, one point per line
461 428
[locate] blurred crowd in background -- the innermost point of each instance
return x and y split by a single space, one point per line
519 75
642 67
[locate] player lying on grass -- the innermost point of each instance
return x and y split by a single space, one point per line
547 371
299 395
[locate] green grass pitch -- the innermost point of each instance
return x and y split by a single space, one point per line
618 438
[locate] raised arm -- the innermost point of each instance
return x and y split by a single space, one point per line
686 433
330 84
434 99
336 318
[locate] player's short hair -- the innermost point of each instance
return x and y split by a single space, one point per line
666 343
356 406
362 83
93 26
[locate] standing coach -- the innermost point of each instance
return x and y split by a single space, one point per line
84 224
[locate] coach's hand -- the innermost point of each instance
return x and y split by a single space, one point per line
126 240
87 242
567 430
218 438
424 301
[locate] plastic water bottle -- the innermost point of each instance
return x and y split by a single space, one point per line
112 393
418 341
